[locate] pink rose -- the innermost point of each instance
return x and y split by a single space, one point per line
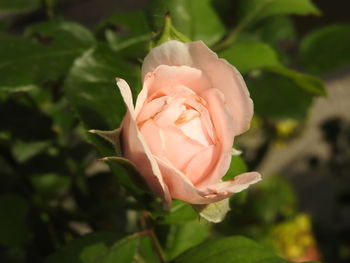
180 132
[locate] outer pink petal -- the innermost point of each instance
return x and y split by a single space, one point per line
136 149
226 78
221 74
181 187
172 53
165 76
223 126
239 183
151 133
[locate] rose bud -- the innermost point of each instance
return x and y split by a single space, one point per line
180 133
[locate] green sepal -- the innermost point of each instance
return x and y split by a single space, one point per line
131 169
169 32
112 136
214 212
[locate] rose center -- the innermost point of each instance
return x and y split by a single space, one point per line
177 127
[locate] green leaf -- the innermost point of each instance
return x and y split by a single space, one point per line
127 32
20 122
310 84
275 260
23 151
145 252
280 33
249 55
326 49
253 216
184 236
49 185
237 166
276 96
276 31
229 250
102 247
179 213
62 115
279 194
122 251
194 18
91 88
18 6
13 230
214 212
254 10
27 62
16 66
4 24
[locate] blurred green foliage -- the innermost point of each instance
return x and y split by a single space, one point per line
332 42
58 80
12 224
18 6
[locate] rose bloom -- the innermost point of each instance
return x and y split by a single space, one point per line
180 133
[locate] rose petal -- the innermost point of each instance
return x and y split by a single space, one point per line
226 78
201 164
164 143
171 76
221 74
149 110
239 183
178 148
170 113
172 53
180 186
151 132
136 149
141 98
208 126
223 124
194 129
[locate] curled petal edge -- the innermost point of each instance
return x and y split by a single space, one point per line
181 187
155 176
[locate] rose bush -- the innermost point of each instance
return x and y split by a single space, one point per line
180 133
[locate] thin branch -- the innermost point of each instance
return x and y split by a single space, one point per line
234 33
146 223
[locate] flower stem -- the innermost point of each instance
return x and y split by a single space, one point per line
233 34
146 223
